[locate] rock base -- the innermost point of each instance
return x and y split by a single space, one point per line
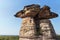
37 29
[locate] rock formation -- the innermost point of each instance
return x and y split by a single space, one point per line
36 24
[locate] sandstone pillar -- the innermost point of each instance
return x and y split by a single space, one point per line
47 30
28 30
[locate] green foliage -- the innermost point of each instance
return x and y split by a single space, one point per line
9 37
58 37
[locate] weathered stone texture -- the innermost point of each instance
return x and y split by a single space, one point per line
28 30
35 24
47 30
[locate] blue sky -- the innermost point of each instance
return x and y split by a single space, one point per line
10 25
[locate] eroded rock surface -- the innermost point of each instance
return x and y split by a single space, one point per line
35 23
29 28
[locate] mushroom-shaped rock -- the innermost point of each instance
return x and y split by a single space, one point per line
45 13
31 10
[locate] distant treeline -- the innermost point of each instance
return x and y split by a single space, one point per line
58 37
16 37
9 37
